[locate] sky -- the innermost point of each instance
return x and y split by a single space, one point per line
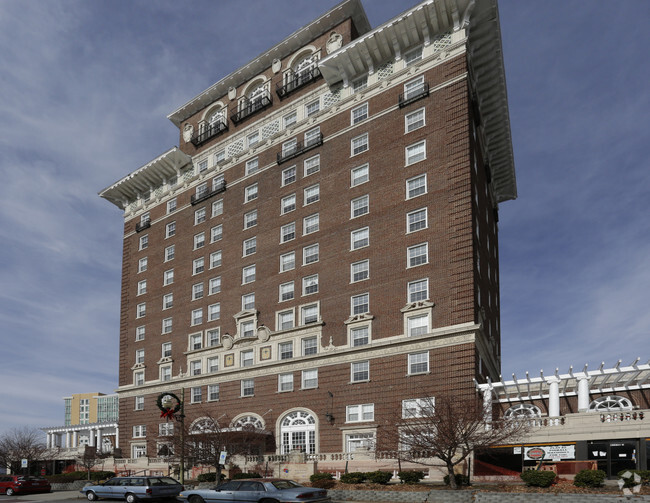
85 89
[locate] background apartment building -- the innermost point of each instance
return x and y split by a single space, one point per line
322 249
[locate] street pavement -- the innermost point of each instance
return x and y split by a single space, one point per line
38 497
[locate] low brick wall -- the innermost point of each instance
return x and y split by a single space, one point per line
449 496
70 486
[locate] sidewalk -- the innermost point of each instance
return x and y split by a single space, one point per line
53 496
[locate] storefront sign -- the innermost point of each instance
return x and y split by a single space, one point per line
550 452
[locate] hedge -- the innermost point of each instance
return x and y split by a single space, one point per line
538 478
411 477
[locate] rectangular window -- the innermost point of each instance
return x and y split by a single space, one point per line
357 413
288 204
203 166
248 301
166 373
285 382
140 431
312 136
311 194
359 304
216 233
289 119
219 156
195 367
417 325
171 205
247 358
416 152
252 139
311 165
359 175
170 229
247 387
197 291
310 379
359 113
360 371
249 246
359 206
166 429
139 333
167 325
197 316
213 392
196 342
288 175
142 287
250 219
310 254
359 271
138 378
413 87
142 264
285 320
199 240
416 220
285 350
414 120
139 403
212 337
309 346
310 284
288 232
287 261
309 314
214 311
199 215
198 265
250 193
416 186
359 336
310 224
312 108
248 274
413 56
166 349
359 238
217 208
286 291
141 310
253 164
359 84
144 241
359 144
419 362
197 396
418 255
418 290
201 189
170 252
215 259
139 356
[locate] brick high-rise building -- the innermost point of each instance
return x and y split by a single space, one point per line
322 248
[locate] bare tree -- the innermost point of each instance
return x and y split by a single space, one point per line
448 428
21 443
90 458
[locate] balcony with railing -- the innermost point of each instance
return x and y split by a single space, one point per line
211 131
299 148
207 194
296 80
248 107
415 94
144 224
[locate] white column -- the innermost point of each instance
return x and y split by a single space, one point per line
117 437
91 437
67 440
583 394
49 440
99 440
553 397
75 438
487 407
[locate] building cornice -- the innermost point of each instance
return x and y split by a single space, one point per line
344 10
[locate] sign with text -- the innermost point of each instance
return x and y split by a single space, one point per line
550 452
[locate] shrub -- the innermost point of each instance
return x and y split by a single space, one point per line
379 477
410 477
589 478
246 475
538 478
209 477
321 476
461 480
629 481
101 475
353 478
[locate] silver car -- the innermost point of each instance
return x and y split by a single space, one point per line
134 488
256 490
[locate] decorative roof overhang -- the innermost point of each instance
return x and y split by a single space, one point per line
614 380
344 10
422 24
142 180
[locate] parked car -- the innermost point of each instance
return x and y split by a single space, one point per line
19 484
256 490
134 488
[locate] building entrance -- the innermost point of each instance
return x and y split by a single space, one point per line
614 455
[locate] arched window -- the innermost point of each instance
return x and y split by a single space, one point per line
248 423
610 403
204 425
298 432
523 410
217 117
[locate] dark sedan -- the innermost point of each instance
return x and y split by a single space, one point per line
257 490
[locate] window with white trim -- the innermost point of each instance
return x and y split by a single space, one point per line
358 413
168 301
250 193
197 291
166 373
170 229
287 261
247 358
309 379
199 240
165 429
139 333
359 206
309 346
416 186
359 336
142 264
288 175
359 114
288 204
359 144
248 274
359 441
418 363
142 287
285 382
288 232
138 378
310 284
139 356
418 254
312 108
312 136
215 259
418 407
413 87
286 291
248 387
196 341
216 233
195 367
170 252
311 194
359 238
141 310
250 219
414 120
138 451
416 152
285 320
249 246
252 165
285 350
213 392
311 165
199 215
214 311
144 242
139 431
248 301
416 220
310 254
418 290
310 224
289 119
217 208
359 304
413 56
171 205
359 84
196 394
197 316
212 337
359 175
166 349
166 325
139 403
359 271
198 265
360 371
417 324
309 314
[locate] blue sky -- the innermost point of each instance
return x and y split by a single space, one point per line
84 94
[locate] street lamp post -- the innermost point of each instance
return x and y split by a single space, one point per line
172 407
